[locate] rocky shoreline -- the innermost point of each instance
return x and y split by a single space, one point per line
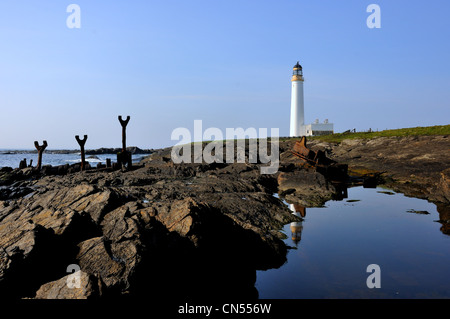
98 151
165 230
417 166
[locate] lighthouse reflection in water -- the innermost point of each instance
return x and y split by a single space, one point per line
333 246
297 227
300 211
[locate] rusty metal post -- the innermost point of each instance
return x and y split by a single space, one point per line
40 149
81 142
124 133
125 157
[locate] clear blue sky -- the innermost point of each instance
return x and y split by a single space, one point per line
228 63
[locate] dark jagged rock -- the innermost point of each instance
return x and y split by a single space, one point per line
306 187
160 225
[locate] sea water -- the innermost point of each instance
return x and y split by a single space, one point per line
334 245
12 158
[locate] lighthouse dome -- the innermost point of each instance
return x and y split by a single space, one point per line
298 66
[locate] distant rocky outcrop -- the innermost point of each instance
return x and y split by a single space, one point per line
131 149
102 150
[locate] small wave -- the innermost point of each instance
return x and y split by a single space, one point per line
94 160
91 160
74 161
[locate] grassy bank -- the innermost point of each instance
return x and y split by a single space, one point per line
339 137
413 131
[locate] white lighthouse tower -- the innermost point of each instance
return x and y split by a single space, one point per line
297 104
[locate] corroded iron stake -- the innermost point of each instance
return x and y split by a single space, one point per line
81 142
124 159
40 149
124 133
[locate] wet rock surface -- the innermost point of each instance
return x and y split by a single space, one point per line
165 230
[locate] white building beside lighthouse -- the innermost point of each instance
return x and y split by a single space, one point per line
298 127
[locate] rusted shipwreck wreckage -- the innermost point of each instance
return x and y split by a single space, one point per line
335 172
318 161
